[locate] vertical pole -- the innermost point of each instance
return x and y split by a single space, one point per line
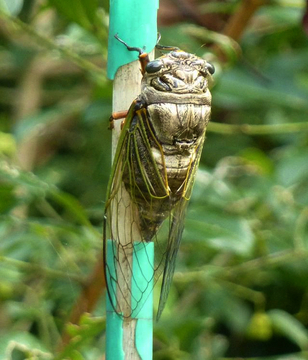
129 337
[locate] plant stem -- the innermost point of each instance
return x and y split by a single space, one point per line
44 271
229 129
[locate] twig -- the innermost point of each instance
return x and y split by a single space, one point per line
229 129
272 260
240 19
238 22
244 292
44 271
225 273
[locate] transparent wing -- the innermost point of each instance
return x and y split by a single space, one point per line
176 227
138 201
135 184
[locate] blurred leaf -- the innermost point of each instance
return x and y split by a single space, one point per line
36 187
82 12
72 205
24 342
11 6
82 334
7 197
239 88
305 19
258 158
36 124
287 325
7 144
223 233
96 111
293 169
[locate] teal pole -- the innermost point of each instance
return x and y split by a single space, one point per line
135 22
143 260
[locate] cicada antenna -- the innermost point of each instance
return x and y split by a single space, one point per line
165 47
129 48
143 56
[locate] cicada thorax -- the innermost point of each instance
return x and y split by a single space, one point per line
168 132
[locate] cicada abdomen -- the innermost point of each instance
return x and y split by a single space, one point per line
156 160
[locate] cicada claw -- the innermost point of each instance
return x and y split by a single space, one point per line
117 116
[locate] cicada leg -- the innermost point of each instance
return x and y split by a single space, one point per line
117 116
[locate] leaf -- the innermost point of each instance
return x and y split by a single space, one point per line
83 12
7 144
38 188
258 158
13 7
71 204
22 341
287 325
293 168
82 334
278 86
305 19
37 123
7 197
223 233
97 111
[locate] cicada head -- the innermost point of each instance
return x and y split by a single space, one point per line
178 72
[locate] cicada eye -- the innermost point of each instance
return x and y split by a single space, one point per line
211 68
153 66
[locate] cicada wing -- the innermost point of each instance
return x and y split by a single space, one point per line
137 203
173 244
135 181
120 214
176 227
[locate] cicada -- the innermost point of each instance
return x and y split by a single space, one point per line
154 170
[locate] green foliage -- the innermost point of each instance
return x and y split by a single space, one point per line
240 290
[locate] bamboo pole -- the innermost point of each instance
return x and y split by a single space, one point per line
129 335
122 335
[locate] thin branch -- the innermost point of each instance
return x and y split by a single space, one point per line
271 260
44 271
244 292
240 19
229 129
238 22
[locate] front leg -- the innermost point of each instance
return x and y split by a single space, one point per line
116 116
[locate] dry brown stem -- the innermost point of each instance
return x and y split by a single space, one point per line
241 18
238 22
